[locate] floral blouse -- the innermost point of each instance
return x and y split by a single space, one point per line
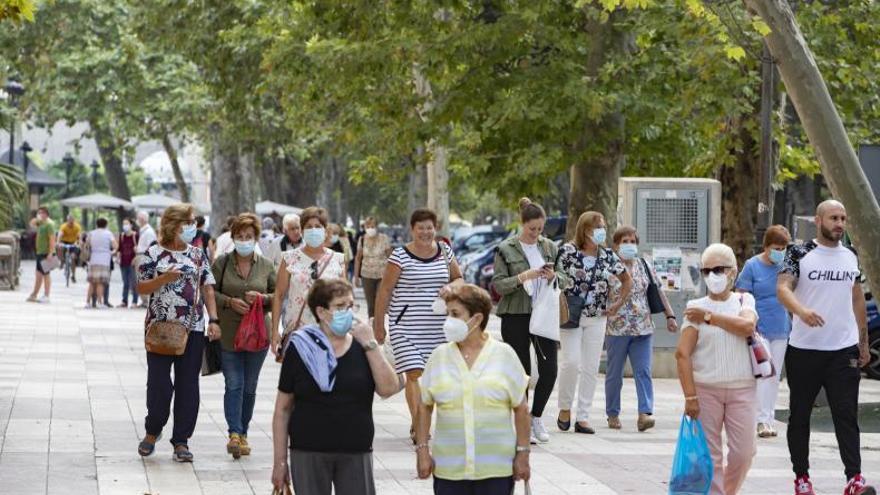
634 317
175 301
589 275
375 255
301 268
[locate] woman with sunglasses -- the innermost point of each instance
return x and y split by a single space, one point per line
297 273
417 275
715 369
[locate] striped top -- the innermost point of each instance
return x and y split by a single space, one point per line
474 437
415 330
721 358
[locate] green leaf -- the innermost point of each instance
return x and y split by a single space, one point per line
761 27
736 53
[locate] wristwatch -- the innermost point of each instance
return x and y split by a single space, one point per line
372 344
707 317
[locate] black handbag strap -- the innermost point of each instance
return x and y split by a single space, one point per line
648 271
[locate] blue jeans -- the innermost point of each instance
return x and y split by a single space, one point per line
241 370
129 284
639 349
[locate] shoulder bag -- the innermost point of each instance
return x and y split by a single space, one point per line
325 261
575 303
655 301
169 338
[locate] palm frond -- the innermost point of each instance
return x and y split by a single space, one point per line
12 193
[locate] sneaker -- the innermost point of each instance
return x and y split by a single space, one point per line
43 300
858 486
234 445
539 432
803 486
614 423
645 422
104 306
123 305
182 453
245 446
764 430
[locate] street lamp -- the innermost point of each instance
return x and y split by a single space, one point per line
95 166
68 168
14 89
25 149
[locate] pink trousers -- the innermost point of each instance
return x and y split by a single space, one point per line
735 410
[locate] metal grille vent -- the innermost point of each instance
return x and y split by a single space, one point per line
672 221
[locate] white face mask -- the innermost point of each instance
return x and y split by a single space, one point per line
371 232
716 283
456 330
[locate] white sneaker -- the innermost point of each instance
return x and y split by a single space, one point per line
43 299
539 432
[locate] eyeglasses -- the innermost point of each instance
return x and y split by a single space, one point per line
717 270
353 307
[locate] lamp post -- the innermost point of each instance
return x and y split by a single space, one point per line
14 89
94 166
25 149
68 168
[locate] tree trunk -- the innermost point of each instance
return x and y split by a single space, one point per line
415 196
231 181
182 188
109 150
596 171
740 188
438 186
823 126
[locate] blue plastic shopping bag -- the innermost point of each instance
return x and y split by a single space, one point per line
692 466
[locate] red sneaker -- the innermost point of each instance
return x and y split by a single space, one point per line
803 486
858 486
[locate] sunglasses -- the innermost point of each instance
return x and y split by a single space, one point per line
717 270
314 268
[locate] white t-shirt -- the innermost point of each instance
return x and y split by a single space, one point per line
536 260
147 236
101 242
825 278
721 358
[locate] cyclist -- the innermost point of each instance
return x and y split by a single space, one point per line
68 235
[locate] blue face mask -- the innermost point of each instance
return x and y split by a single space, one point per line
628 251
334 239
599 236
314 237
777 256
189 233
341 323
244 248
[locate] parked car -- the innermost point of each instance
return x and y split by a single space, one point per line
873 367
479 267
480 237
554 228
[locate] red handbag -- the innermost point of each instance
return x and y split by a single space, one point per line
252 335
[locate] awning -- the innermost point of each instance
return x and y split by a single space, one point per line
154 202
98 200
264 208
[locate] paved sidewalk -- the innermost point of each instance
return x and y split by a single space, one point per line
72 403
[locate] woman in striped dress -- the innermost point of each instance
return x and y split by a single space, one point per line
416 275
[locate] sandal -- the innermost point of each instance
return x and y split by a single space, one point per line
146 448
182 453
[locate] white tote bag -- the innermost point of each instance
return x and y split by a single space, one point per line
545 312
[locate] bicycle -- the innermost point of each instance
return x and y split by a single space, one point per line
69 259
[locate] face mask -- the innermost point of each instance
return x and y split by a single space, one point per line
628 251
371 232
439 306
189 233
455 330
599 236
341 322
334 239
126 228
244 248
314 237
716 284
777 256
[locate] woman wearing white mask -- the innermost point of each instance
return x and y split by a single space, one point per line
589 265
715 368
629 333
297 272
243 277
369 264
416 276
477 384
758 278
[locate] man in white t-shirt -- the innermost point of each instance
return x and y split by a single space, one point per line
820 284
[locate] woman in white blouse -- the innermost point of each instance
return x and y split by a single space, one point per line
715 368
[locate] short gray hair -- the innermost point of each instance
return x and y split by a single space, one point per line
143 215
289 219
720 251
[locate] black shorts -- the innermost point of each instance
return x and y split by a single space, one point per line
40 258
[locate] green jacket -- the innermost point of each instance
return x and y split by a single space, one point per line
261 279
510 261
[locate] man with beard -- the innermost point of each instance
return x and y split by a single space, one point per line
820 284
